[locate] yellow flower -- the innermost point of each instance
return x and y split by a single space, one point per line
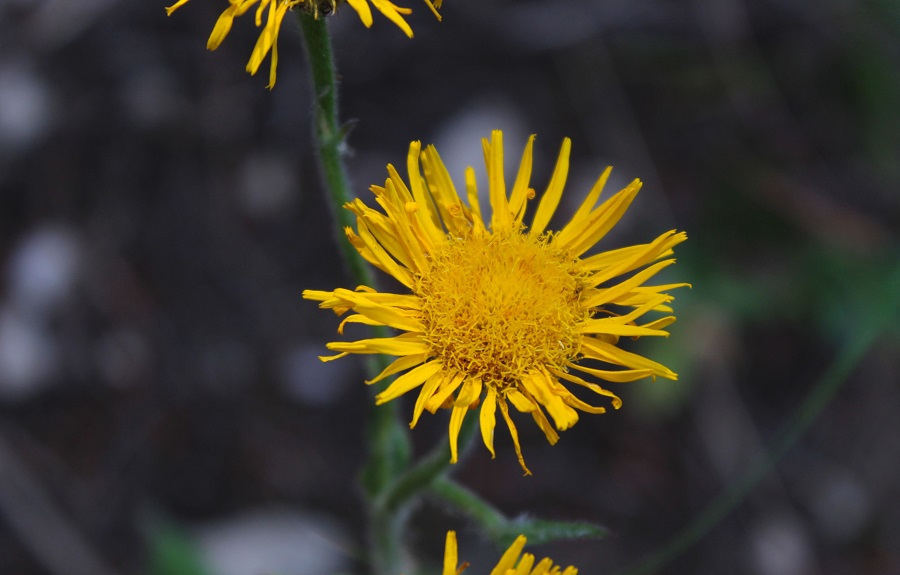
271 24
513 561
499 312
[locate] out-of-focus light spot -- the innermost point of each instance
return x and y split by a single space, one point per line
266 185
306 379
28 357
43 269
26 111
274 541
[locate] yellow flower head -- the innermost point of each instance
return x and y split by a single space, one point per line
271 21
513 561
498 312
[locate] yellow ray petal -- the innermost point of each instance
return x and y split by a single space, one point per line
408 381
267 37
598 349
579 221
619 376
639 297
470 393
446 389
357 318
273 60
451 554
508 561
393 13
398 365
363 10
525 565
474 204
521 402
653 251
401 210
661 323
428 389
500 216
386 234
175 6
386 315
454 214
572 400
653 302
456 420
612 293
602 220
519 194
221 28
317 295
326 358
600 326
400 345
434 8
405 301
544 424
504 410
488 420
550 199
563 416
543 566
617 403
416 184
608 258
384 261
655 289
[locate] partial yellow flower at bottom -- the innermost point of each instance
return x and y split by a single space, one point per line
499 312
271 23
513 561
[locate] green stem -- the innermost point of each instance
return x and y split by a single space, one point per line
486 515
387 553
393 505
330 137
808 411
389 441
427 470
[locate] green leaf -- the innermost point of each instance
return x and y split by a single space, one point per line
539 531
171 551
504 531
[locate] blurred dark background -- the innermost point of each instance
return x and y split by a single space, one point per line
161 404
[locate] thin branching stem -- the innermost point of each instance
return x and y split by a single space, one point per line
818 398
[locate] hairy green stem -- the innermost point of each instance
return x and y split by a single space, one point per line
485 514
392 506
388 441
426 471
330 137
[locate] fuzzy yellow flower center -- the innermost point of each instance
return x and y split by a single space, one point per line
499 305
